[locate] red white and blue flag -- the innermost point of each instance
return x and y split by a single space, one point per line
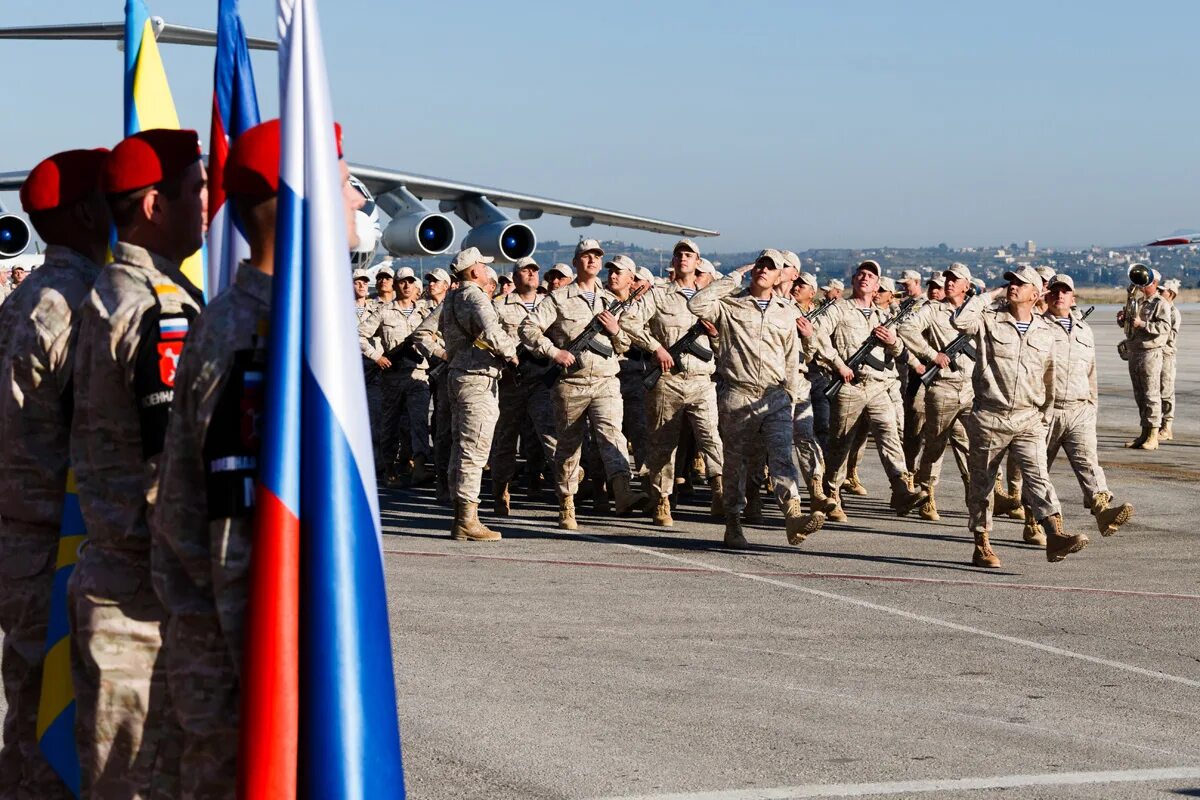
235 110
318 692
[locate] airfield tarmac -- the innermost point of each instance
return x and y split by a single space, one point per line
629 661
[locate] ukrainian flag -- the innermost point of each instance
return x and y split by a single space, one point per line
56 706
148 102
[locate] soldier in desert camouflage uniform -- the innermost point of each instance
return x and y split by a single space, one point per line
759 362
37 350
1148 332
1170 290
132 331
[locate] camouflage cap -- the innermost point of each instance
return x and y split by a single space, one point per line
958 270
870 265
465 259
833 284
910 275
522 263
1063 280
588 246
886 284
562 269
405 274
362 275
685 244
1024 275
621 264
706 266
937 279
438 274
790 259
644 274
384 272
772 255
808 279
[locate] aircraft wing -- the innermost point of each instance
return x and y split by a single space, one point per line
449 193
164 32
1174 240
11 181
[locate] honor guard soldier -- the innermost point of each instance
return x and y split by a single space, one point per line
476 348
759 364
947 398
1147 329
1014 382
684 392
865 393
38 327
526 405
1076 395
1169 291
132 333
588 390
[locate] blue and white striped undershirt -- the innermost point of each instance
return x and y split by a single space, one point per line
589 296
688 291
1022 327
763 303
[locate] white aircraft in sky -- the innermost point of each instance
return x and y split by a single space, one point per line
413 229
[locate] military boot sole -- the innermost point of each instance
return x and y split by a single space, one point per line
854 488
1073 545
985 561
801 527
486 535
1110 520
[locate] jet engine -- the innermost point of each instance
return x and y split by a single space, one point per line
414 229
493 233
15 235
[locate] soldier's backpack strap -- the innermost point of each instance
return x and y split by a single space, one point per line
163 331
231 444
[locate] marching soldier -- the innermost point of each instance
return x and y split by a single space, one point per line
404 384
948 398
1146 333
759 364
132 332
1170 290
1073 425
476 348
525 402
591 392
910 284
685 392
911 389
810 455
37 350
866 394
1014 383
833 289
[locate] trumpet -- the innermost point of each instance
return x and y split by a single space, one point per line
1139 276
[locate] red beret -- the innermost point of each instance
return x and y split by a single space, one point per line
149 157
252 169
62 179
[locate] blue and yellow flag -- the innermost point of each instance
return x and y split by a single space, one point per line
56 707
148 102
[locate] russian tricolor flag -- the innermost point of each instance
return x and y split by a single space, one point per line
318 693
235 110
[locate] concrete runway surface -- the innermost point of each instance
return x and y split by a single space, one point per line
873 661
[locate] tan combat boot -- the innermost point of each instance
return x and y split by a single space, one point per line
733 532
801 526
1032 532
984 556
838 514
467 526
566 514
628 500
420 472
662 511
717 506
1164 433
929 511
905 498
698 467
753 512
853 485
1003 503
1151 442
1110 518
820 501
1140 442
1059 545
502 501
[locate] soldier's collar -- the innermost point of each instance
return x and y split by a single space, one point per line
61 255
253 282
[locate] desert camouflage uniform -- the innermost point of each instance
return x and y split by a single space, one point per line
371 378
759 363
130 338
810 455
202 526
689 395
635 423
948 399
468 317
429 343
839 333
1168 367
1073 424
912 393
37 342
524 404
404 388
589 394
1146 357
1014 381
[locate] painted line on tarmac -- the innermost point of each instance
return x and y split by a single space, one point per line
813 575
935 785
899 612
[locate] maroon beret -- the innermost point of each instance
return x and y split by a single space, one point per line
149 157
62 179
252 169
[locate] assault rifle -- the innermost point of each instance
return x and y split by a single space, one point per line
406 349
863 354
589 339
688 343
819 311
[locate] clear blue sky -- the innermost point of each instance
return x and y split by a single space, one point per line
789 124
